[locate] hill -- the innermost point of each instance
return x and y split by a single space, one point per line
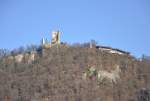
56 74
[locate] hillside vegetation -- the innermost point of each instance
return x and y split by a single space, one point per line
56 74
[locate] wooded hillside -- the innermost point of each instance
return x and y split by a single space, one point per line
56 75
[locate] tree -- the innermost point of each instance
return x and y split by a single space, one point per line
4 52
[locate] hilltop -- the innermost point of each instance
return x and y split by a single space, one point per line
58 71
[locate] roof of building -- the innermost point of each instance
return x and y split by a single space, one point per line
115 49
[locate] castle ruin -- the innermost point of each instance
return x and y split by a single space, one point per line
55 37
55 40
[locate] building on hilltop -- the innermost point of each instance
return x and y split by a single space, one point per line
112 50
144 95
43 41
54 41
55 38
45 44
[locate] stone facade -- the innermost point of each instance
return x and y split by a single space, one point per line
45 44
55 37
54 41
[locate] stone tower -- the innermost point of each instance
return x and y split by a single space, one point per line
43 41
55 38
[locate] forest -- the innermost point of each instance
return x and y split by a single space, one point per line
56 74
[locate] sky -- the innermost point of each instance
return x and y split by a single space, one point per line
123 24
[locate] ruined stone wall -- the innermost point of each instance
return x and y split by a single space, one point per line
55 37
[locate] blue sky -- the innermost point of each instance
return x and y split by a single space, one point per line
123 24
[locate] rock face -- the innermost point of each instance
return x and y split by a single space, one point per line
18 58
31 57
103 75
112 76
27 57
